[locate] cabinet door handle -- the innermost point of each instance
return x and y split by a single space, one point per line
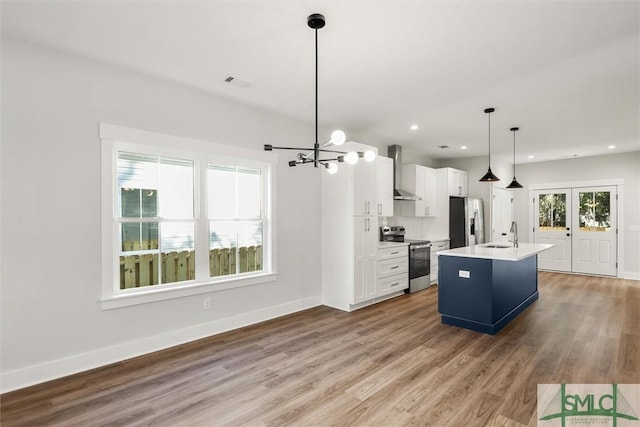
395 284
396 252
379 209
394 267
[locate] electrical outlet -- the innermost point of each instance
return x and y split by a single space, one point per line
206 304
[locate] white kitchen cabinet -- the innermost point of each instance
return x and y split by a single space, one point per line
365 257
436 246
457 182
350 234
364 191
430 189
373 187
421 181
384 185
392 270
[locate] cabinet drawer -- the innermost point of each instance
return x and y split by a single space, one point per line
393 283
439 246
393 266
393 252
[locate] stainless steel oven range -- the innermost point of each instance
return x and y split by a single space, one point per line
419 256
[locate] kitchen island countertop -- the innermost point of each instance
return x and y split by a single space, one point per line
524 250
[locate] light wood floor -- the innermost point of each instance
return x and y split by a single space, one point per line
390 364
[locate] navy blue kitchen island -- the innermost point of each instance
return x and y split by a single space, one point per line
484 287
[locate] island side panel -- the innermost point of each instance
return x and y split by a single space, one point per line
465 300
513 284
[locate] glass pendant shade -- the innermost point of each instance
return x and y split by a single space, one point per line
514 183
489 176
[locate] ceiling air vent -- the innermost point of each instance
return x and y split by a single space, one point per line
237 82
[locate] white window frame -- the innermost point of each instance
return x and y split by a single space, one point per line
117 138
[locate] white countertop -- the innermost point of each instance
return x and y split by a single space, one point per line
383 245
524 250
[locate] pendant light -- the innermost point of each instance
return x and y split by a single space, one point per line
514 183
489 176
312 155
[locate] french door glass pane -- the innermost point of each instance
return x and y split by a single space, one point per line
595 211
552 211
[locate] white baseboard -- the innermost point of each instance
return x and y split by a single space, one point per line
631 275
31 375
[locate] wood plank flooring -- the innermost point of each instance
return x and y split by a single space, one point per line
392 364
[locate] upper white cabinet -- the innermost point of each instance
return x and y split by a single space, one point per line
421 181
373 187
384 185
457 182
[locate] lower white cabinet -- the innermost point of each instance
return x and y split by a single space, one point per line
436 246
365 257
392 270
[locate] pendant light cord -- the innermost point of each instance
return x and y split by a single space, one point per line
316 146
514 154
489 140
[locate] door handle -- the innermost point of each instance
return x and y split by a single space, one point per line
504 234
568 234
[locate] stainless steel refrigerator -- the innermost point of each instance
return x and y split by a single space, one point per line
466 221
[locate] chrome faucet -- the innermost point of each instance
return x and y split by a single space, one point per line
514 230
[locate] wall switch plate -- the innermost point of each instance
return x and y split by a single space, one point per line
464 274
206 304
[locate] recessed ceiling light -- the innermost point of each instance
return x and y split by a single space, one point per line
611 146
530 157
464 147
414 127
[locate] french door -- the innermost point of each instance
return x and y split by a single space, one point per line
594 231
582 223
552 210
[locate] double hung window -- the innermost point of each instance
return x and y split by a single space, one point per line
183 219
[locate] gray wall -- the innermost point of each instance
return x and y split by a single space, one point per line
51 279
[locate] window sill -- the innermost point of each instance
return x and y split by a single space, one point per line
152 295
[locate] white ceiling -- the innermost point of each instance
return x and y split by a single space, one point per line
567 73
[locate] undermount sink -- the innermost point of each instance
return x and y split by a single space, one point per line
496 246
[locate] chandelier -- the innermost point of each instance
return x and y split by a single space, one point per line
314 155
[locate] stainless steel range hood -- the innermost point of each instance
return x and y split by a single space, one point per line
395 152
